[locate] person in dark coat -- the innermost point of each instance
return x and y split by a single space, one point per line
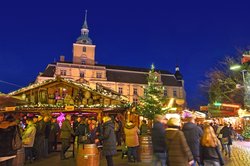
109 141
226 135
39 138
66 132
210 151
193 134
118 130
47 133
158 141
7 131
81 132
178 151
54 131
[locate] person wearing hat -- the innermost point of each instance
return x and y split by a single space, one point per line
28 139
108 139
193 134
178 151
8 130
132 140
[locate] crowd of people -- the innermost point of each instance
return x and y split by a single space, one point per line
189 143
39 135
174 143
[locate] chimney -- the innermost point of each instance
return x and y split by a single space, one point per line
62 58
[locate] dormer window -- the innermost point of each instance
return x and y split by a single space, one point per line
63 72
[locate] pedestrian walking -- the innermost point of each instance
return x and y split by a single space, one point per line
66 132
210 151
178 151
193 134
226 139
159 141
132 141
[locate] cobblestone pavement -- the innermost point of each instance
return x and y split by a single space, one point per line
240 154
240 157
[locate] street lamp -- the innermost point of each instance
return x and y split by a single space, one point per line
238 67
245 82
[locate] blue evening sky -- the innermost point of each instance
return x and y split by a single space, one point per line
192 34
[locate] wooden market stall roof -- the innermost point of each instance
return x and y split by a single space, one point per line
118 101
7 100
103 91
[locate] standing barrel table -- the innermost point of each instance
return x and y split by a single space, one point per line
20 158
88 155
145 149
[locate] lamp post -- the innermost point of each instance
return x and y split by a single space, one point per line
245 82
238 67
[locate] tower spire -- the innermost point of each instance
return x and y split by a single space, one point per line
84 38
85 25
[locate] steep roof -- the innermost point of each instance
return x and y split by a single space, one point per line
128 68
139 78
49 71
108 93
125 74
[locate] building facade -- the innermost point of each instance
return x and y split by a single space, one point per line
128 81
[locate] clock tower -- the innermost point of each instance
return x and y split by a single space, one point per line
83 49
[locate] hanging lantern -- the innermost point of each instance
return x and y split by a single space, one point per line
180 101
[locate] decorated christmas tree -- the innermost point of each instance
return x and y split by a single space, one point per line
151 103
246 132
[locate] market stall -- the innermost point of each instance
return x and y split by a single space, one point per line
68 96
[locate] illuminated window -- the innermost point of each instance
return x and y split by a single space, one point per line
135 101
120 90
165 92
82 74
135 92
175 93
63 72
83 61
98 75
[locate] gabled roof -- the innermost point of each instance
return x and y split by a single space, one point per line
139 78
49 71
107 93
125 74
138 69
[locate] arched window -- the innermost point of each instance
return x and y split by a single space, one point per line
84 49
